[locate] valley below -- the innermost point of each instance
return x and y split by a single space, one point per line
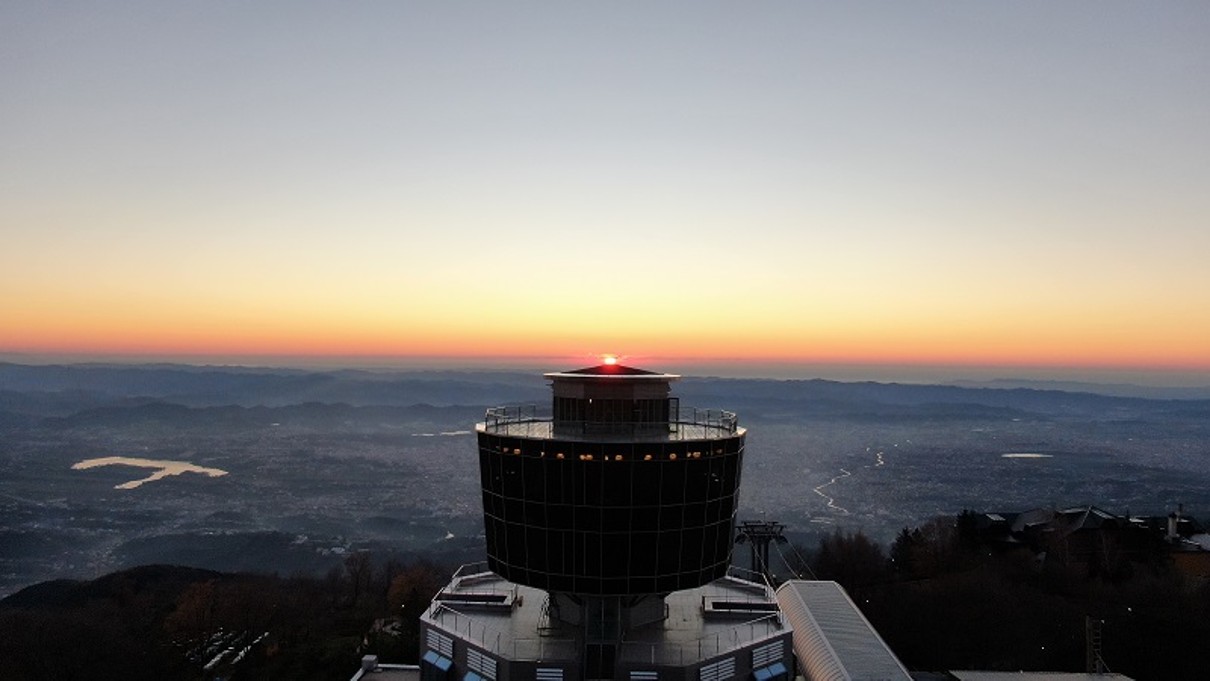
316 465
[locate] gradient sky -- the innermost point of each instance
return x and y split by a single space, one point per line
935 183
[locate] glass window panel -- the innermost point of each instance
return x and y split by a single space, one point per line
616 486
492 505
515 536
615 520
560 516
668 559
591 479
534 473
535 513
671 518
615 555
697 479
691 548
694 514
643 549
510 473
672 482
645 518
587 519
553 552
513 510
535 549
645 479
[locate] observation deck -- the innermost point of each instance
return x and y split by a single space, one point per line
530 421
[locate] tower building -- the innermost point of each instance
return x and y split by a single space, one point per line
615 498
609 522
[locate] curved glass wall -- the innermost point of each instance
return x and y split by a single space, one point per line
609 518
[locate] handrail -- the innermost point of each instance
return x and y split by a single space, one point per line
491 637
705 647
721 419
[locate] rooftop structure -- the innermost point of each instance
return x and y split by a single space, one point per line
515 626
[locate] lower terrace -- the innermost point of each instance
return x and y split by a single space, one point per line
513 621
529 421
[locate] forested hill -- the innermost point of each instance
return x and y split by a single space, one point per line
162 622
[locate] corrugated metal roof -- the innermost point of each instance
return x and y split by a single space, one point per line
832 639
1035 676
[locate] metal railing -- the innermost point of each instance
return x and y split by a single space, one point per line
676 652
528 420
497 638
748 580
509 414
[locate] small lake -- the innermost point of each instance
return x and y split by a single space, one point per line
162 470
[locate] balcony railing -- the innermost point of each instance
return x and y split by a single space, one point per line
529 420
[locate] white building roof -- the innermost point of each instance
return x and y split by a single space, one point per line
1035 676
832 639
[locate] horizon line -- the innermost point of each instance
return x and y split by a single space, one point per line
723 367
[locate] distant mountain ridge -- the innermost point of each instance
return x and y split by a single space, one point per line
89 391
219 386
880 400
1108 389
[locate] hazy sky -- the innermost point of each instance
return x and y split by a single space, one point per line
988 183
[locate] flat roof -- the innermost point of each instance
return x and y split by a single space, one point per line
519 631
688 634
389 672
615 432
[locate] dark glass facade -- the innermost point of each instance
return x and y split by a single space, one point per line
609 518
